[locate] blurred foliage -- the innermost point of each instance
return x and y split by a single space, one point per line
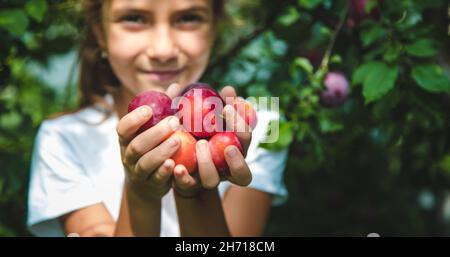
29 36
379 163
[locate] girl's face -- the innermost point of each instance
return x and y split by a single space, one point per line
153 43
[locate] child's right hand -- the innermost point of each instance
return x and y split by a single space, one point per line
146 157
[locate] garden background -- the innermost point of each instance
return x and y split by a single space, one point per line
378 163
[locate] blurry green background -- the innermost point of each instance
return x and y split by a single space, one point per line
379 163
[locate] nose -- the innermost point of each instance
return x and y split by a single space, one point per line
162 46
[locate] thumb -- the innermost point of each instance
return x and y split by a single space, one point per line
174 90
228 94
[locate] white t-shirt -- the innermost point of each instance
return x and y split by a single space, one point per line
76 164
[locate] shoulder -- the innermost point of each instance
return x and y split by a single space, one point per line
78 122
73 130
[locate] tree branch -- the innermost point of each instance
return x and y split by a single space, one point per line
326 56
244 41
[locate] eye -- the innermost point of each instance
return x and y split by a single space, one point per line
133 18
190 18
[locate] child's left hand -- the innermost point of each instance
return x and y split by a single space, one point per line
207 177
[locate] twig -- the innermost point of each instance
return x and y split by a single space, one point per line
329 50
238 46
244 41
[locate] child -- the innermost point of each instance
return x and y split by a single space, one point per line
92 176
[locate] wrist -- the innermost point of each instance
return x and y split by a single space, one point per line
187 194
140 197
199 194
138 216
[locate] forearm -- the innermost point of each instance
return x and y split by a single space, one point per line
138 217
201 215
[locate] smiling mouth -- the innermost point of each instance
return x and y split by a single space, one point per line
162 76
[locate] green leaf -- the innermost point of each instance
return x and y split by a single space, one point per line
335 59
370 5
361 73
15 21
329 126
377 78
36 9
10 121
289 17
304 64
392 53
309 4
422 48
371 35
444 164
431 78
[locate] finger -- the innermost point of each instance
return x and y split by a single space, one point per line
152 160
236 123
246 111
182 179
130 123
150 138
174 90
239 170
228 94
209 177
163 174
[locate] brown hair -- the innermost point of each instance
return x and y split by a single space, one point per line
96 76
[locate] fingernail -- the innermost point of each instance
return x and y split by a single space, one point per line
167 164
202 146
232 152
144 111
174 123
173 141
179 172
